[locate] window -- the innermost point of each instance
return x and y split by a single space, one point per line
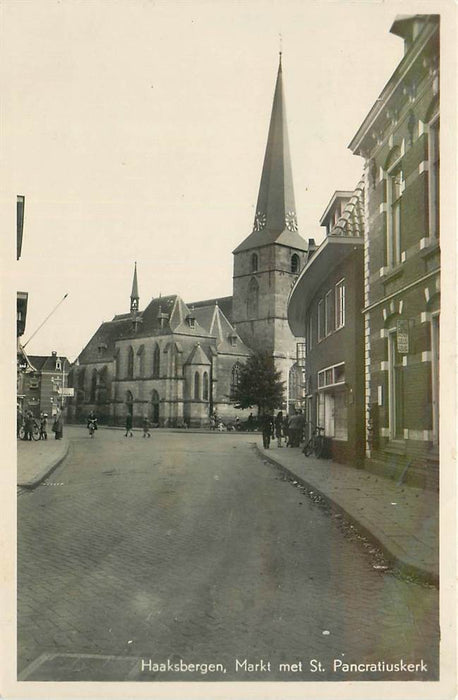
434 178
331 375
197 386
329 312
295 264
191 322
58 365
340 304
395 388
93 394
310 332
130 363
321 326
141 360
235 376
252 299
435 343
296 384
300 354
156 361
205 387
254 262
394 191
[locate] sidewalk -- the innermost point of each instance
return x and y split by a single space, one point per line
36 460
403 521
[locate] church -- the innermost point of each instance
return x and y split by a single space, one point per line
176 362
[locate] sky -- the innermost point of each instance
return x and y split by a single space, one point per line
136 131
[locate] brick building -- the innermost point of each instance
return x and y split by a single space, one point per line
41 384
399 141
176 362
325 307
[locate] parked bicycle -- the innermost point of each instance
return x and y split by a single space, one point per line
315 444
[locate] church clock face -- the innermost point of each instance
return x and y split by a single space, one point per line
291 221
260 221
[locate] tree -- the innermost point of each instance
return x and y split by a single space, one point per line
259 384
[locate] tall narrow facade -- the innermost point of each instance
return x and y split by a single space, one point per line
268 261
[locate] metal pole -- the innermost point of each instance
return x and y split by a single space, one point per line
42 324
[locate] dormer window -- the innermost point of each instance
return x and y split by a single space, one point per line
58 365
191 322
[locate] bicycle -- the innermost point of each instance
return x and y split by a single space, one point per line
315 443
35 431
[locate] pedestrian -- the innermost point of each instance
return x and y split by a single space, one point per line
146 427
267 430
286 430
19 421
58 425
43 426
28 425
92 418
128 426
279 428
295 429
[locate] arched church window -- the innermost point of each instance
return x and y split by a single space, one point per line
235 376
155 406
254 262
295 383
197 386
205 387
253 299
93 386
295 263
130 363
156 361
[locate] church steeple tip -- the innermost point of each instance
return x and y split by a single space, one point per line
134 298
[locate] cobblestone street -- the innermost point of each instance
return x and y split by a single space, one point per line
189 548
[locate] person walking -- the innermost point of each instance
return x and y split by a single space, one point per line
44 426
267 430
19 422
146 427
279 428
286 430
58 425
128 426
294 430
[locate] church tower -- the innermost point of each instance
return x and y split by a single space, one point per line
268 261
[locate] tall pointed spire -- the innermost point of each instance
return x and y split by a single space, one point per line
134 298
275 218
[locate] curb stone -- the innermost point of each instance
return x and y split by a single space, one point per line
33 483
394 561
